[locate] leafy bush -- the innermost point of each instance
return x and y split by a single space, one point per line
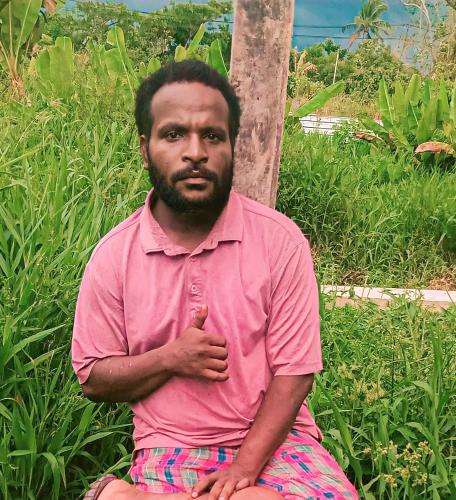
324 56
445 64
372 62
147 38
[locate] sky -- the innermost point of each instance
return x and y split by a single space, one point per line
315 20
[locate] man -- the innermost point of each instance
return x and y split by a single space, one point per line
201 311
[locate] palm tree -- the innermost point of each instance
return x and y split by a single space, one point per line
368 23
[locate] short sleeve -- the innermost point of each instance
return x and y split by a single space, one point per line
99 327
293 337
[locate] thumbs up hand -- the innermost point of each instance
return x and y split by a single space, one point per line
199 318
197 353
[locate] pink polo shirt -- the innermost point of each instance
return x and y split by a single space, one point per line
254 271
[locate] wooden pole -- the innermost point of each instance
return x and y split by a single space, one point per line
259 72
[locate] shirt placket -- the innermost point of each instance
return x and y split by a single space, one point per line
194 284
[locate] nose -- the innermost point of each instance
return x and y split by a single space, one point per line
195 150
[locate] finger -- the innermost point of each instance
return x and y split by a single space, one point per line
217 352
215 339
243 483
216 489
203 484
217 365
227 490
199 317
214 376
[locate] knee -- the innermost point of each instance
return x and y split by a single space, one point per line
257 493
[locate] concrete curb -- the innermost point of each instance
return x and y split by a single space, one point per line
435 300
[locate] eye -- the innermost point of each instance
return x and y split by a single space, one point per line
173 134
213 137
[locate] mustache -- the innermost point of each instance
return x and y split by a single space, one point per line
194 170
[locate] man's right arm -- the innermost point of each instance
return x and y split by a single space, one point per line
195 353
119 379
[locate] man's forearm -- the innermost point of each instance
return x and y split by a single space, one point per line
274 420
128 378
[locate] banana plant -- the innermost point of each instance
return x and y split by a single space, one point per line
113 65
55 69
182 53
117 62
213 55
19 26
415 118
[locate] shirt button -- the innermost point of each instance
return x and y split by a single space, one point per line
192 259
194 288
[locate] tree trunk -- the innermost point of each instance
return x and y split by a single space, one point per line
259 72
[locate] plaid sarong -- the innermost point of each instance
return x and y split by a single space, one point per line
299 469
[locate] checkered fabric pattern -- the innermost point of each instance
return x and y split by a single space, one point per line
299 469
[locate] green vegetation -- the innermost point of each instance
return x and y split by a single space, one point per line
75 172
372 217
386 401
151 35
70 170
20 27
418 118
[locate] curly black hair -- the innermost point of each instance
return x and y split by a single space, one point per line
184 71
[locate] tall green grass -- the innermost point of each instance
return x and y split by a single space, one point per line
67 176
372 218
70 171
387 399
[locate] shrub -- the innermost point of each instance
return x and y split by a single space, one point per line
372 62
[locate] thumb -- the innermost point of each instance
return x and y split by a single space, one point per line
200 317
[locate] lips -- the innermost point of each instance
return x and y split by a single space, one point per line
195 176
195 180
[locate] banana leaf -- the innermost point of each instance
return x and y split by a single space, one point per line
117 60
97 58
399 106
153 65
412 93
55 69
443 107
385 105
319 100
215 58
413 117
428 122
427 91
17 19
196 39
43 70
452 115
180 53
372 125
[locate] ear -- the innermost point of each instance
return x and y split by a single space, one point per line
144 148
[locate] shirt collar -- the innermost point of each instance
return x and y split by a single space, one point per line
228 227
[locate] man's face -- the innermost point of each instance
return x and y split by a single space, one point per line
189 155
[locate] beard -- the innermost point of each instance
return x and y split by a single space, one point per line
167 192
